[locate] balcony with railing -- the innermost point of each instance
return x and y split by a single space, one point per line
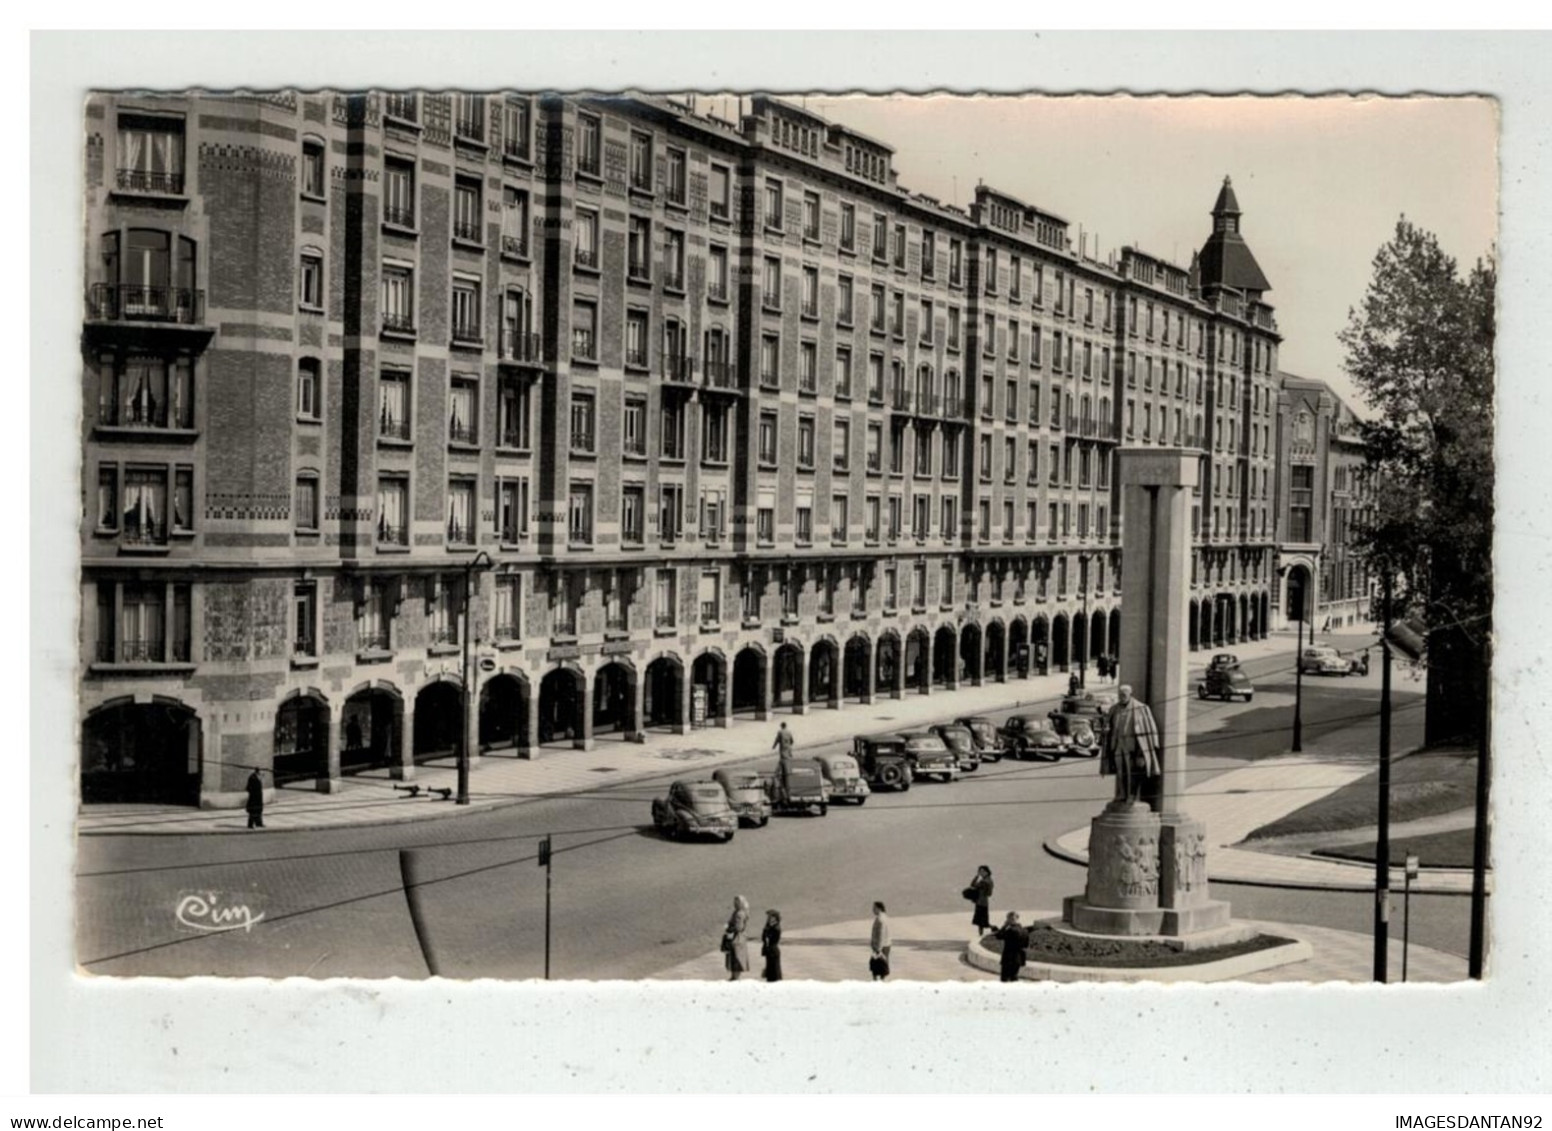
390 427
388 535
520 348
461 432
145 180
404 107
901 400
514 246
468 231
678 369
398 322
145 411
470 127
928 404
143 532
399 217
305 644
467 334
721 376
673 278
126 302
586 257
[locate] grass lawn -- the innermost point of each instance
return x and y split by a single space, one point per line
1433 850
1422 784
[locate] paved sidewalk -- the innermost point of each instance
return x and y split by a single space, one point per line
1236 803
932 948
495 781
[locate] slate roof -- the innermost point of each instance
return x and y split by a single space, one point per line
1226 259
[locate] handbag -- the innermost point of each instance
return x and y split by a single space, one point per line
971 894
878 966
727 943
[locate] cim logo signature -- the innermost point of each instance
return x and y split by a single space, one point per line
212 912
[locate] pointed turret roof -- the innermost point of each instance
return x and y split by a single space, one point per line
1225 259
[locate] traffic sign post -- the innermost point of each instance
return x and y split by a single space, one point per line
1412 864
545 856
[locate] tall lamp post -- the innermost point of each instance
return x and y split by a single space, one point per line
480 561
1298 664
1083 655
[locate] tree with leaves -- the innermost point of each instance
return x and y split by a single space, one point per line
1420 349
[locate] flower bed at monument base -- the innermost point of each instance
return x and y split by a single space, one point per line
1048 944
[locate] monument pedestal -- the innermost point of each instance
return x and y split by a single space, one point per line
1147 877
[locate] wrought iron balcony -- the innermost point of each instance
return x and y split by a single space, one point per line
678 369
460 432
372 640
143 533
470 127
515 147
149 651
393 427
143 180
720 375
673 278
400 217
401 106
467 334
901 400
520 347
636 357
395 322
128 302
587 257
304 646
144 412
470 231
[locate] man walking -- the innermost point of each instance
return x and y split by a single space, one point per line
881 941
255 800
783 744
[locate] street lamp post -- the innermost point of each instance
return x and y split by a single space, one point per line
1298 665
481 560
1083 655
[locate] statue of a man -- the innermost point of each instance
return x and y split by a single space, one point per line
1131 746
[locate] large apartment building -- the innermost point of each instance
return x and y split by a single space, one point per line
632 416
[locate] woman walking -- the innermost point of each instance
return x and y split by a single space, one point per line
735 948
770 946
1015 946
981 886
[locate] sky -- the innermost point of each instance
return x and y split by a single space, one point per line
1321 181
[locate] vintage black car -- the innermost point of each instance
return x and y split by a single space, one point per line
746 794
883 761
695 808
1226 683
987 742
1026 736
1079 712
1224 660
930 756
959 739
798 786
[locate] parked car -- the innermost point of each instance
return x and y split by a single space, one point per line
695 808
844 778
798 786
1224 660
930 756
1027 736
1226 683
1321 659
883 761
746 794
1078 712
987 743
959 740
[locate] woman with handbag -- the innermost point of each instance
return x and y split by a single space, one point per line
980 893
735 948
770 946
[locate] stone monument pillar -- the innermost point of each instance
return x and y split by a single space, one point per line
1148 859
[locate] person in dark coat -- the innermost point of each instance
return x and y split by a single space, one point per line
1015 946
1072 684
770 946
882 940
981 920
255 800
735 948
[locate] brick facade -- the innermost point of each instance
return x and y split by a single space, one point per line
581 312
